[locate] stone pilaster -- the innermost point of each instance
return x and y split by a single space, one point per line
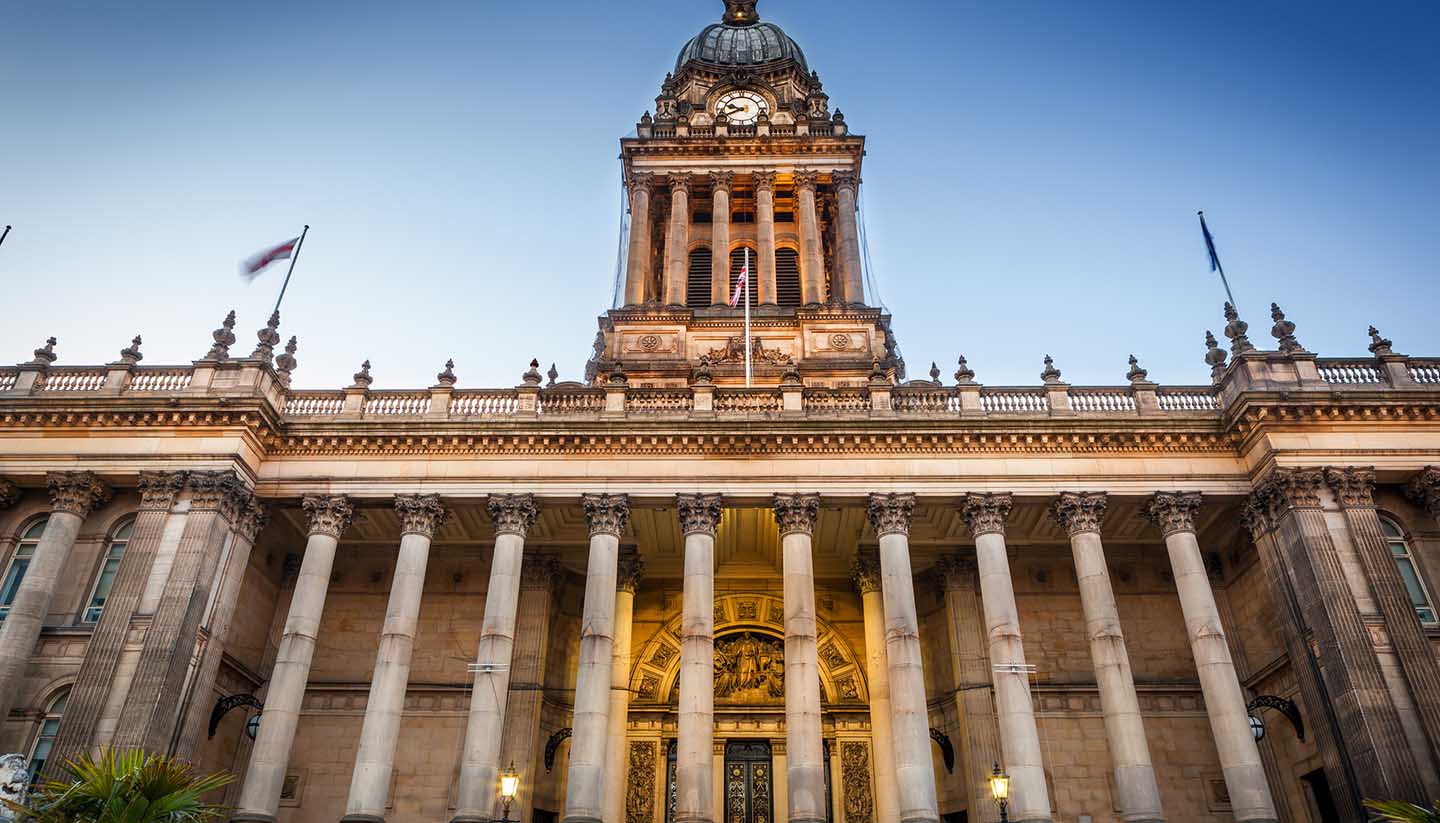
847 231
1174 515
1138 794
539 580
677 242
985 515
805 765
94 681
694 778
812 258
974 682
327 519
420 517
720 182
512 515
890 516
616 758
865 574
607 515
637 265
152 710
765 236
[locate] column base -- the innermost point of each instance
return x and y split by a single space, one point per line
904 819
251 817
362 818
473 818
584 818
1031 820
679 819
807 820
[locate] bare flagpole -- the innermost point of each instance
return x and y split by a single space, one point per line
5 235
747 317
294 257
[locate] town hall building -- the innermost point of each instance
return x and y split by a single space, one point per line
735 578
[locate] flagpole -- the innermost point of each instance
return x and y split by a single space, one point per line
5 235
747 317
1215 258
293 258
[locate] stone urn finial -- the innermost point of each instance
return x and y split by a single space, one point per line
618 376
269 338
702 375
791 375
224 338
964 375
531 377
1136 374
447 377
131 354
285 363
1379 346
934 373
1284 331
45 355
1214 356
1050 374
552 375
363 380
1235 329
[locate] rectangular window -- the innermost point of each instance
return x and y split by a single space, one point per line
1405 564
14 576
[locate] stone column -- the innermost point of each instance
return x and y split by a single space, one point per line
585 792
522 742
812 258
974 681
73 495
848 234
795 514
615 743
1174 514
866 575
985 515
420 517
328 518
94 680
677 242
637 263
694 779
720 238
513 515
890 516
765 235
1139 794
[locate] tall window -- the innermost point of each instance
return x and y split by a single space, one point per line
49 728
1405 561
19 562
105 578
697 293
787 277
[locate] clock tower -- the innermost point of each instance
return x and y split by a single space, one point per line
743 159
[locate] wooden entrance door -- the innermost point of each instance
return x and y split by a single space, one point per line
748 782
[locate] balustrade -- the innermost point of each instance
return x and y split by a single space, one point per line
748 401
1003 401
1182 400
1102 400
8 378
658 401
314 404
160 379
572 402
1350 372
485 403
393 404
837 401
1426 372
919 400
74 379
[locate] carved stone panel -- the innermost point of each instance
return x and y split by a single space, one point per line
855 780
640 793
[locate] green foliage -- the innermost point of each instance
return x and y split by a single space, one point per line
124 787
1402 812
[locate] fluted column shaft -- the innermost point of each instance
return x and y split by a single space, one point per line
522 742
765 235
73 495
329 517
812 258
694 777
480 759
585 794
1139 794
637 263
677 243
1224 701
616 750
974 681
420 517
847 232
985 514
720 238
866 575
890 516
804 752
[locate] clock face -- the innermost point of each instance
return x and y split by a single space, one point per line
742 107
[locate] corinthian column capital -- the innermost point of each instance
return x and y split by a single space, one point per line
865 572
9 494
845 180
78 493
606 513
420 514
699 513
1354 487
891 513
958 572
220 491
158 490
1295 488
796 513
252 520
722 180
629 572
1424 490
806 180
1079 512
328 515
765 181
512 513
640 181
679 184
986 513
1173 512
540 572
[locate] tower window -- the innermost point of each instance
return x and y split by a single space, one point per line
1409 573
49 729
19 562
105 577
737 263
787 277
697 292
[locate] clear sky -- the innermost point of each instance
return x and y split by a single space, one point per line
1033 174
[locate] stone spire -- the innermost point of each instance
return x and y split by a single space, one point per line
269 338
1284 331
224 339
740 13
1235 329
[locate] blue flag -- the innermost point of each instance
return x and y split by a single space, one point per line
1210 246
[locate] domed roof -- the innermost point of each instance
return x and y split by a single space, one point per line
741 40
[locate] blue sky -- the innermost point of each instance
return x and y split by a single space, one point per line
1033 174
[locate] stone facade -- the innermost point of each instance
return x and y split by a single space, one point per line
860 592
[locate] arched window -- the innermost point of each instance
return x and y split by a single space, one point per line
737 263
49 728
697 292
105 577
787 277
1405 561
19 562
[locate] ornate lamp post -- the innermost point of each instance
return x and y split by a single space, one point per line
509 788
1000 790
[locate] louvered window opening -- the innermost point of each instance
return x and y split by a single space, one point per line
737 262
697 292
784 217
787 277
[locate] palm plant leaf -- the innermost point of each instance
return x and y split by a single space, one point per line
124 787
1402 812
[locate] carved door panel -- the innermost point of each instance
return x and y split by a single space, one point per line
748 782
672 795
